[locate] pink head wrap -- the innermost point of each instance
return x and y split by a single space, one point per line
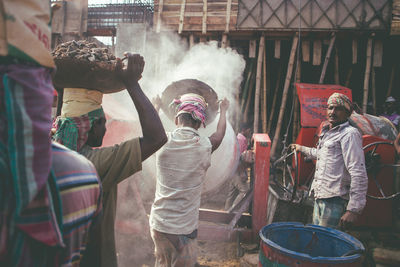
192 104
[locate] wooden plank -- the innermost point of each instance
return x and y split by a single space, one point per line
284 94
204 26
228 14
181 16
252 48
261 49
264 102
354 51
305 50
327 57
367 74
224 41
277 51
378 53
336 71
158 27
317 52
191 40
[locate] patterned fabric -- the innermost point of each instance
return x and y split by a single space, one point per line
72 132
340 166
192 104
26 95
75 190
80 191
341 100
394 118
328 211
168 255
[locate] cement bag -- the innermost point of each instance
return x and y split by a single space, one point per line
372 125
25 32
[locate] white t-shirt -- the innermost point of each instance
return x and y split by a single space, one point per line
182 164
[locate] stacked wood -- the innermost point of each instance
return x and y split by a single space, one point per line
195 15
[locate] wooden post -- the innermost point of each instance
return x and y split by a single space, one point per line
277 51
317 51
284 94
354 51
367 74
264 104
305 50
348 77
327 57
191 40
261 49
391 79
160 10
373 91
252 48
296 124
262 145
182 16
228 15
274 100
224 41
204 22
337 77
378 53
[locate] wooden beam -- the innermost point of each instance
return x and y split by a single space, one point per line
191 40
336 73
378 53
354 51
261 49
317 52
305 49
274 100
327 57
252 48
264 102
204 23
284 94
228 15
182 16
160 10
367 74
224 41
277 51
296 108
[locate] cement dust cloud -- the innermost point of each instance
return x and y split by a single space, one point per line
168 59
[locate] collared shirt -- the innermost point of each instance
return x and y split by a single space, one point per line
340 167
113 164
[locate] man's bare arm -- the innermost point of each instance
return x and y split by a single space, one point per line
154 136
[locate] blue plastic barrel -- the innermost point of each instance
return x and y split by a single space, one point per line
295 244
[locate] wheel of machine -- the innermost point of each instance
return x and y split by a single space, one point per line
289 163
374 166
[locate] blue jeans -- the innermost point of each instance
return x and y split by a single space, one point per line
328 211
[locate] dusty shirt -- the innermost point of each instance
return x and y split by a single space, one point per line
113 164
242 140
340 167
182 164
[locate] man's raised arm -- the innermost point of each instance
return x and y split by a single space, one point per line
216 138
154 136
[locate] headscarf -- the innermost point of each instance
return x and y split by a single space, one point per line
193 104
341 100
81 108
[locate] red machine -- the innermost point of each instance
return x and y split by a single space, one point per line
377 143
